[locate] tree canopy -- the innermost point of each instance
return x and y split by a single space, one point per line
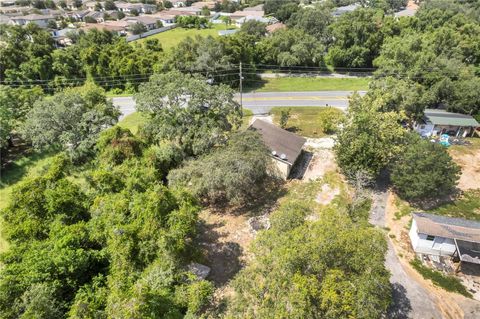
424 171
71 120
187 110
319 269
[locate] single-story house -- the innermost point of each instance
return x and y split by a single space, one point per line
285 146
61 36
127 7
165 17
148 21
201 4
99 17
242 14
40 20
109 26
186 11
177 3
90 5
436 122
446 236
240 21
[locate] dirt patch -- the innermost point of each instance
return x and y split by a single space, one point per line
470 164
320 143
327 194
322 162
224 239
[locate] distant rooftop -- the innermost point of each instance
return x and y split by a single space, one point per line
442 117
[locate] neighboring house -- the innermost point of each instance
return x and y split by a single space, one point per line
77 15
186 11
40 20
127 7
240 21
242 14
97 16
149 22
61 36
92 4
201 4
436 122
435 235
285 146
165 17
109 26
345 9
14 9
178 3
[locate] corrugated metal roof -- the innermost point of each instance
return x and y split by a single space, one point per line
280 140
448 227
442 117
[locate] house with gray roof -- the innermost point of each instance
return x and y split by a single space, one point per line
436 235
39 19
285 146
436 122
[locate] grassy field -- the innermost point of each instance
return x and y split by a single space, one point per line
171 38
292 84
305 120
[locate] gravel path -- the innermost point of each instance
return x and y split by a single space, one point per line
410 299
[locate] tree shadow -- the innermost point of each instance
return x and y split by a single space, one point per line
264 202
223 257
401 306
250 85
293 129
16 161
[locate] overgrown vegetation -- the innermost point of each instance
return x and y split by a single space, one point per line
446 282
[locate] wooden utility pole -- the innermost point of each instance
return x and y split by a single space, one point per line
241 88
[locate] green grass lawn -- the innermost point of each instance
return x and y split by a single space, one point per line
305 120
171 38
133 121
293 84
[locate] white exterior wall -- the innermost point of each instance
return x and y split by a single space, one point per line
440 246
424 129
283 169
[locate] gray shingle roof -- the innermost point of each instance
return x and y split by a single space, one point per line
448 227
280 140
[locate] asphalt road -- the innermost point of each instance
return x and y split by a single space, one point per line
262 102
